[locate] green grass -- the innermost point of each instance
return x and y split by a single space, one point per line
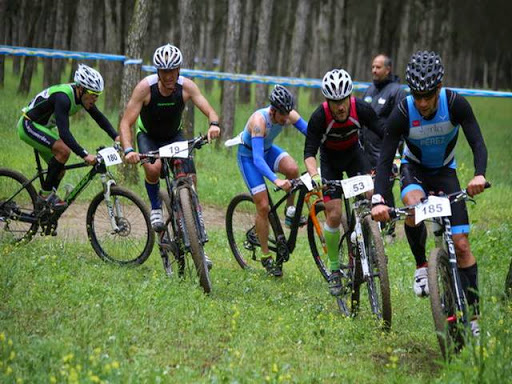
65 316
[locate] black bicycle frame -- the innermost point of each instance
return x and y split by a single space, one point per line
273 217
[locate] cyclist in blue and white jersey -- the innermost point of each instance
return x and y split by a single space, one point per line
259 157
429 120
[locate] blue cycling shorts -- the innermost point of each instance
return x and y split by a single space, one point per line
252 176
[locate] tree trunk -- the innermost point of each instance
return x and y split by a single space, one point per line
298 43
131 73
339 48
30 61
244 89
262 49
49 37
229 94
285 33
3 37
60 39
188 43
81 30
377 32
111 70
23 13
210 46
403 53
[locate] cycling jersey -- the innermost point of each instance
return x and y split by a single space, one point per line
430 142
51 108
271 132
161 118
330 135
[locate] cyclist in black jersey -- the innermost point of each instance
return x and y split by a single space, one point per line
51 108
156 107
334 128
429 121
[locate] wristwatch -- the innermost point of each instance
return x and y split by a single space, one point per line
216 123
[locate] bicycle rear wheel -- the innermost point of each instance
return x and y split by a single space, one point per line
167 241
241 231
449 328
196 247
132 242
378 281
13 227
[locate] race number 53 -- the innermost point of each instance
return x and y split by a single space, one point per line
356 185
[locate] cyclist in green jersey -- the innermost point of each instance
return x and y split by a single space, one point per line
51 109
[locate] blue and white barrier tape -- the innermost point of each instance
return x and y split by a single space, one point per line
223 76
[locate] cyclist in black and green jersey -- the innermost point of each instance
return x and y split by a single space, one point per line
51 108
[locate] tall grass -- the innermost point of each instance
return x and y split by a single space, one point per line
65 316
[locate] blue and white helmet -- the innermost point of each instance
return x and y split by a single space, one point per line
336 84
167 57
89 78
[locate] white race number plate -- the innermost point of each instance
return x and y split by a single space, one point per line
434 206
356 185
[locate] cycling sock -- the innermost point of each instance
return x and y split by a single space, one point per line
469 280
54 175
332 239
152 190
417 237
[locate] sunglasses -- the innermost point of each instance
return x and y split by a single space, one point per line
91 92
424 95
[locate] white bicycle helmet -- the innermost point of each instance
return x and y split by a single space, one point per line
89 78
336 84
167 57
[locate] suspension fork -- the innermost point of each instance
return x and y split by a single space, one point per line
107 184
312 207
452 258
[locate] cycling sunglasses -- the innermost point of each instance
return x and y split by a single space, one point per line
91 92
423 95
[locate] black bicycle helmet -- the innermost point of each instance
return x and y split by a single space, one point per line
281 99
424 71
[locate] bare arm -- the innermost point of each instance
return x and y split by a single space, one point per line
191 91
132 111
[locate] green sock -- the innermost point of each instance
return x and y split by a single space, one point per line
332 240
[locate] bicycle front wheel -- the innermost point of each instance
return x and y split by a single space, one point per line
443 301
378 280
241 230
128 242
317 241
16 212
196 247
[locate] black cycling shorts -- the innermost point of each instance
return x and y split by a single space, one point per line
333 163
445 180
146 144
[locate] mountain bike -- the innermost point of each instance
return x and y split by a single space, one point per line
118 224
361 252
185 232
241 231
447 298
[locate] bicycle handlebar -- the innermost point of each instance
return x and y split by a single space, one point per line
195 143
398 213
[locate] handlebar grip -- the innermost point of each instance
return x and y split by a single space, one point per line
487 185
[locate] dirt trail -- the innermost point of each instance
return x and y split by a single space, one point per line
72 222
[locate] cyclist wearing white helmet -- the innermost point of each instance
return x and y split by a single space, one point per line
334 129
259 157
429 121
156 107
51 109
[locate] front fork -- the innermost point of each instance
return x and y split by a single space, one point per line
114 209
358 231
